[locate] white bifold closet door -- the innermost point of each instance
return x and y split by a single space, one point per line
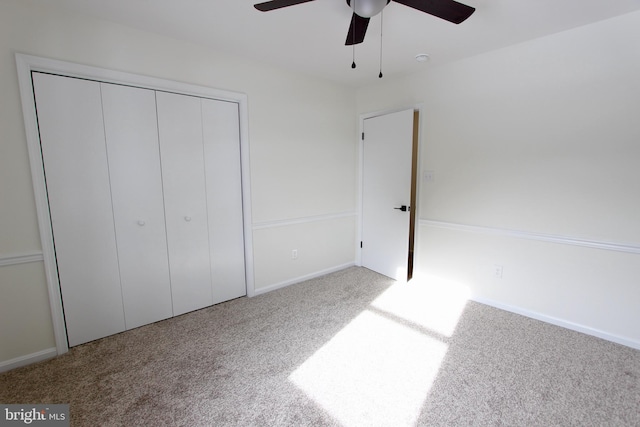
145 198
221 136
136 186
199 146
77 176
185 197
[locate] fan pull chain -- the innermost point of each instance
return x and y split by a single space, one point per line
381 14
353 17
353 64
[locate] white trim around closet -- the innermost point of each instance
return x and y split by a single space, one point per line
26 64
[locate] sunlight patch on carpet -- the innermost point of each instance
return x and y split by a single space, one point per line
431 302
379 369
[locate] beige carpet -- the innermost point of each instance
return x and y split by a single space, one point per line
350 348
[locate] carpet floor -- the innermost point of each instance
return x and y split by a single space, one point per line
352 348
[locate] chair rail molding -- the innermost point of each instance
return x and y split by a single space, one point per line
304 220
22 258
528 235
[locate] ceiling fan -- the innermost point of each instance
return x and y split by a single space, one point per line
363 10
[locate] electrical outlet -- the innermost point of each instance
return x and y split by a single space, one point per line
294 254
497 271
429 176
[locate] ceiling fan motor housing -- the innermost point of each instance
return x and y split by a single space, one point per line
367 8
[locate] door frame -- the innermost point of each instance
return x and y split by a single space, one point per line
26 64
419 107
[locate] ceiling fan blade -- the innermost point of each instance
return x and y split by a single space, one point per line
357 30
448 10
277 4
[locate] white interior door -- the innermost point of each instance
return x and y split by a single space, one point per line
221 133
386 188
75 161
131 130
185 196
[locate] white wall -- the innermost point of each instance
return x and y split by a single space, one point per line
538 138
303 151
541 138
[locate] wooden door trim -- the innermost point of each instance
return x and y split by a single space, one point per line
414 195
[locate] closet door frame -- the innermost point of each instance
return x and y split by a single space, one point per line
26 64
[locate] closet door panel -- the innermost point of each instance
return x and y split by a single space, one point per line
183 177
221 129
136 185
75 161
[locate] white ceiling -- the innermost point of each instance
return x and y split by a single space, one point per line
310 37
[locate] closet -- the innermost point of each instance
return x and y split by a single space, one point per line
145 200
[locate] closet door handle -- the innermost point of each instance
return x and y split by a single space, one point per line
187 218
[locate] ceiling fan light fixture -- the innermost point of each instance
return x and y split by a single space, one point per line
368 8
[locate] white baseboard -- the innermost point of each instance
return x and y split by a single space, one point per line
299 279
559 322
28 359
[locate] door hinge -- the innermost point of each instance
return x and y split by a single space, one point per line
361 244
363 136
